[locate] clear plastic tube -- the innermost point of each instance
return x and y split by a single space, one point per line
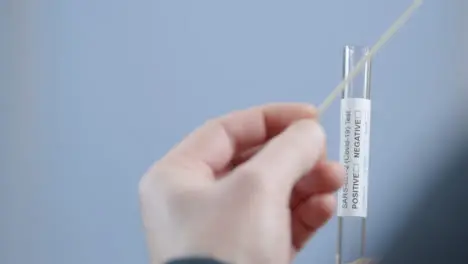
354 156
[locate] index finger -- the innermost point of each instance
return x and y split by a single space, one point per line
211 147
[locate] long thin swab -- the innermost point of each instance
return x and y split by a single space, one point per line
401 21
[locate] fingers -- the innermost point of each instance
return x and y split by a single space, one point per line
326 177
313 201
211 147
245 156
287 157
310 216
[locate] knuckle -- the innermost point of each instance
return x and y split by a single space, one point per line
328 205
308 133
152 183
211 122
214 122
310 126
145 187
254 179
167 181
152 192
249 172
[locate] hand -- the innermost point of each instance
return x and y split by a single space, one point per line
249 187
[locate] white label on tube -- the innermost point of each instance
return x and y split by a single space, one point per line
354 156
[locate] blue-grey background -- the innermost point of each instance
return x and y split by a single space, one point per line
92 92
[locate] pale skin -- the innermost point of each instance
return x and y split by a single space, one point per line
252 186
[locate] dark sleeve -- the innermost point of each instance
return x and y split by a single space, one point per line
438 231
195 261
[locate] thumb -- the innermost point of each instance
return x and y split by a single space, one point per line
287 157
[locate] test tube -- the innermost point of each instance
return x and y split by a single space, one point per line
354 156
